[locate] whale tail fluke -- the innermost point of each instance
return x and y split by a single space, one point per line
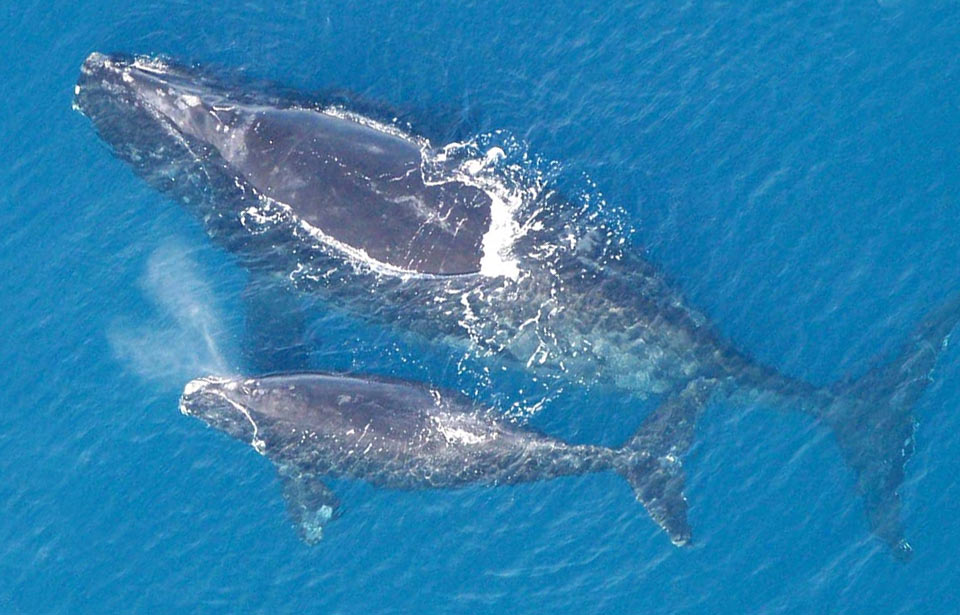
872 419
653 458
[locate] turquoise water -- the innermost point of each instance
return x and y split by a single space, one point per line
794 168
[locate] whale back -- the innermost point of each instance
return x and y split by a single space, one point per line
339 417
364 187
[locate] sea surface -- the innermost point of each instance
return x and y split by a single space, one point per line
793 167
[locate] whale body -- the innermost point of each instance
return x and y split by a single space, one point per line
399 435
438 240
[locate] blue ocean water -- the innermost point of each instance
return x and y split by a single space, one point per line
793 167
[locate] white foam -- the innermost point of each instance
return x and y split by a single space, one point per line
497 259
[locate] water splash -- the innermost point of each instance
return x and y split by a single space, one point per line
185 334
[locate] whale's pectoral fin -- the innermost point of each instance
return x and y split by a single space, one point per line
275 337
310 502
653 458
660 488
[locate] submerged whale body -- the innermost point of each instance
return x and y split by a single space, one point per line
447 243
401 436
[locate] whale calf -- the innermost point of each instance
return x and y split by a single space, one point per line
401 435
453 243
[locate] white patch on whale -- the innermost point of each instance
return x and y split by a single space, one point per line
255 441
191 100
457 435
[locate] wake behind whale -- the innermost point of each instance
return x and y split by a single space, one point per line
458 245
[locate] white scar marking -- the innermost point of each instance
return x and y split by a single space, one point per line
195 385
456 434
258 445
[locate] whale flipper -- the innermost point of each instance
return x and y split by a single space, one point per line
872 418
665 436
310 503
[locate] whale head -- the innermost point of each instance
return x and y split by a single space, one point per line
255 410
126 95
223 404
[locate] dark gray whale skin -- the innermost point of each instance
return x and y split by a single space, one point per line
381 224
395 435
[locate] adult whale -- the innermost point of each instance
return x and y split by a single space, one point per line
447 242
399 435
